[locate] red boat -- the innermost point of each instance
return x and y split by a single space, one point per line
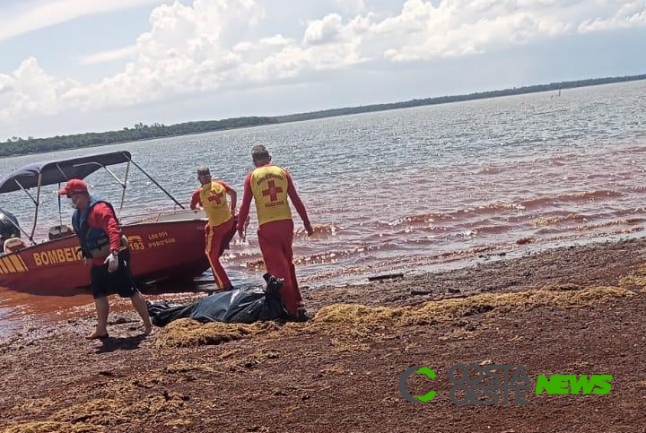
165 246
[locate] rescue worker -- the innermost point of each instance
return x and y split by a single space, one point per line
97 227
270 186
221 227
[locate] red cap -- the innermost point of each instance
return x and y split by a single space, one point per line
72 186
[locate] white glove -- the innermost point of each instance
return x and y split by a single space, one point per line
113 262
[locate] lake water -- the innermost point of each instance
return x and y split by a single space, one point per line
414 189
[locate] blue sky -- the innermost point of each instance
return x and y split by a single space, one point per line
71 66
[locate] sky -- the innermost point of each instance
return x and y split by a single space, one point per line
75 66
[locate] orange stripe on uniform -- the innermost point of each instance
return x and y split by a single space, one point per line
209 239
209 244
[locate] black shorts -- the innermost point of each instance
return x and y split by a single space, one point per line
121 281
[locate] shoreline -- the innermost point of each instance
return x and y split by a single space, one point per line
75 307
572 310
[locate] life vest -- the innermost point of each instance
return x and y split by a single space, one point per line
94 241
213 197
269 187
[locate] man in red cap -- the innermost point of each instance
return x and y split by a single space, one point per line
270 186
96 225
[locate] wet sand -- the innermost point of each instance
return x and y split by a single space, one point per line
574 310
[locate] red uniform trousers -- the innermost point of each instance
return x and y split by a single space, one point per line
275 241
217 239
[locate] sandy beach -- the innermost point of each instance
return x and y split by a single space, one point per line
576 310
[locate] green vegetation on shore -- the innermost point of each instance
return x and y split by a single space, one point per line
19 146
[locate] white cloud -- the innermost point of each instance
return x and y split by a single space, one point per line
327 30
6 84
218 44
109 55
629 15
35 15
31 91
276 40
460 27
243 46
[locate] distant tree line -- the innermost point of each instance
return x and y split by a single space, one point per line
20 146
458 98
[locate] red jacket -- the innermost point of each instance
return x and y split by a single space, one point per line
101 217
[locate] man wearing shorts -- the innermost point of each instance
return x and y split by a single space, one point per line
96 225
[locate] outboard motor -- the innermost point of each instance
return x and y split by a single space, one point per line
8 226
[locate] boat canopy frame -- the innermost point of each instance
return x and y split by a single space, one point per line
39 174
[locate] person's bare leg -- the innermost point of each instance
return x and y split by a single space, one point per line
102 311
140 305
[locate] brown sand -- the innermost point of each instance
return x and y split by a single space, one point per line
577 310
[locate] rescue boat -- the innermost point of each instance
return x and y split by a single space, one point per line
166 246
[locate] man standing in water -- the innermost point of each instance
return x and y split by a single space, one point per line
221 228
270 186
96 225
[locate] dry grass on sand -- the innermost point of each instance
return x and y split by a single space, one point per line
187 332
